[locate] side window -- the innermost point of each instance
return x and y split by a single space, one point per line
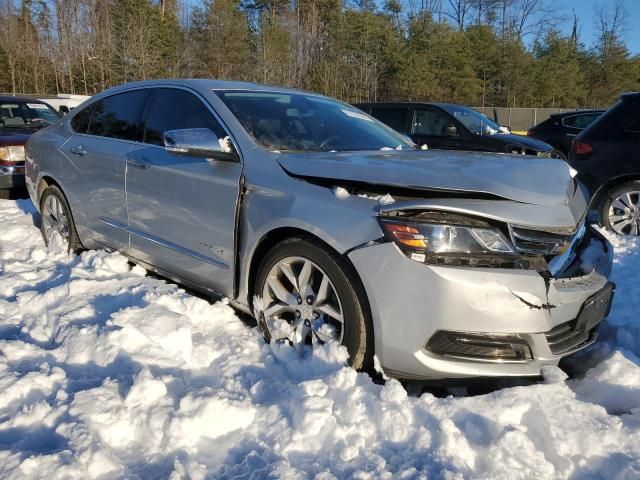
175 109
119 116
583 121
430 122
396 118
80 121
580 121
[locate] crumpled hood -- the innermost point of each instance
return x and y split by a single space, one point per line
513 177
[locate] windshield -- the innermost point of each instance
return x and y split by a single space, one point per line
21 114
474 121
308 123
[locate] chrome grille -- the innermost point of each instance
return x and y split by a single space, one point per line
566 337
534 242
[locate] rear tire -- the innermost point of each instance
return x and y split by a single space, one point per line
294 255
55 218
620 209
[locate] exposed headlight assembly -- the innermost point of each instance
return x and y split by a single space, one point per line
452 244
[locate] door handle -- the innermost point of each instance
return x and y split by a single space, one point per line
139 163
79 150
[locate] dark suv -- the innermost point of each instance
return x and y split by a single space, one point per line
560 129
19 119
454 127
607 158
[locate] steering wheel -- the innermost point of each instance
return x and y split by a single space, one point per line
328 140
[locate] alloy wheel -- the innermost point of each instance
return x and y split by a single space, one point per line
624 213
301 304
54 220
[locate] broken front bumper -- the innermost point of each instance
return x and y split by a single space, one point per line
412 302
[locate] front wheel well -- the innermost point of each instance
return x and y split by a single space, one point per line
274 237
277 236
270 240
45 182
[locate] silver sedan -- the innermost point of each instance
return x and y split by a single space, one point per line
328 226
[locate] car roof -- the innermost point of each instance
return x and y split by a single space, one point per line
577 112
205 85
13 98
633 95
437 104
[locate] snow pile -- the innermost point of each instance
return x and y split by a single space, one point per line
342 193
108 373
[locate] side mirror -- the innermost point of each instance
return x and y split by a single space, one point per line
198 142
450 130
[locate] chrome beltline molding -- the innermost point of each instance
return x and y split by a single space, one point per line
163 243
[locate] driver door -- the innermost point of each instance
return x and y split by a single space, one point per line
182 210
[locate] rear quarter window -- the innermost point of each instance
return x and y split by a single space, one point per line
580 121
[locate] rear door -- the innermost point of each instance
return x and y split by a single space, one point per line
396 117
94 176
182 210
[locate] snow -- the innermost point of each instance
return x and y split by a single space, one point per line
106 372
342 193
225 144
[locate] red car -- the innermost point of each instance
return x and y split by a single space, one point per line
20 117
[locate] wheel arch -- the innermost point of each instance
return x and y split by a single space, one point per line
601 192
280 234
44 182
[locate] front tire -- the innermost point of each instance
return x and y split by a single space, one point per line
620 209
309 295
56 219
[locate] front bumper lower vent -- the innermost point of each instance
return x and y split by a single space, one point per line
566 337
483 347
582 331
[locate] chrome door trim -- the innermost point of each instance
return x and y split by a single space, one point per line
164 243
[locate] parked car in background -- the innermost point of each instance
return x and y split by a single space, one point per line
454 127
64 102
481 265
560 129
19 118
607 157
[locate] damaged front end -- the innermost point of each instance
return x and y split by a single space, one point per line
473 273
453 239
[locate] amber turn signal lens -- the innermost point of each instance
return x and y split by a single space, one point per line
408 236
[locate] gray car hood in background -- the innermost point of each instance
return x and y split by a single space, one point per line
521 179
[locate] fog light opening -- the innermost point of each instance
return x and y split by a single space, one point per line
485 347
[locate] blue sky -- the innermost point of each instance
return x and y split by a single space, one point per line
587 22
